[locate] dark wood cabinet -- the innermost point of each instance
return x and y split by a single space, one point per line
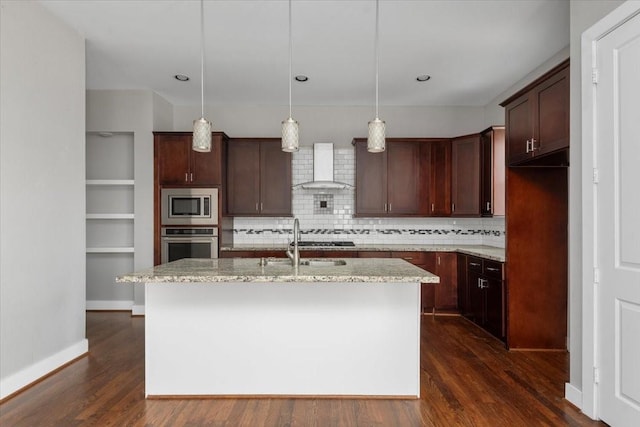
176 164
492 172
537 121
441 296
485 305
437 160
258 178
388 183
463 285
465 175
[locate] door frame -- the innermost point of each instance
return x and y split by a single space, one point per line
590 340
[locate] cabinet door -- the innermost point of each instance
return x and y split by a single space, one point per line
447 290
172 159
403 171
371 181
243 178
519 128
475 303
428 290
275 179
465 176
494 307
492 172
440 179
206 168
552 114
463 288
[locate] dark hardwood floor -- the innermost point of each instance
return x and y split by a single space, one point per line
467 379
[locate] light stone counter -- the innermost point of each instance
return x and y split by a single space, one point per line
239 270
488 252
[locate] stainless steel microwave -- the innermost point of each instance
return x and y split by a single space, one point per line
189 206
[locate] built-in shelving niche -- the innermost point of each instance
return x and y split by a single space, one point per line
110 189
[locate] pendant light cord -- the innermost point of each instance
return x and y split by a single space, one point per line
290 55
202 58
377 60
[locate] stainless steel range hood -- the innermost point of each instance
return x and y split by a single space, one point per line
323 169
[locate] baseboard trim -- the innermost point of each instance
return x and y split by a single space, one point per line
109 305
34 373
137 310
573 395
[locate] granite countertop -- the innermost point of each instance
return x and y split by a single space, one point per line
364 270
488 252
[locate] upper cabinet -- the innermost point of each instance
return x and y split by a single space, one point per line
258 178
492 172
436 156
178 165
537 121
388 183
465 175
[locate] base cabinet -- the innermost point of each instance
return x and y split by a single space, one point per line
485 304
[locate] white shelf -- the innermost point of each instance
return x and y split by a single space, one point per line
112 250
111 216
125 182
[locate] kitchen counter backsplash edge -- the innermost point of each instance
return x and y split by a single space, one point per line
487 252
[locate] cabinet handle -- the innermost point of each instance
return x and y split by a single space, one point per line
533 145
389 207
408 258
475 264
493 269
191 176
257 207
528 146
488 206
453 207
186 177
438 259
433 207
481 284
261 206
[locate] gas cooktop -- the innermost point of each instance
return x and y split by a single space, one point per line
334 243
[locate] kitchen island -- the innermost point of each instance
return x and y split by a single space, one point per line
242 327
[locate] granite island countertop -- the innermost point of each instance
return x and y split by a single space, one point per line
226 270
482 251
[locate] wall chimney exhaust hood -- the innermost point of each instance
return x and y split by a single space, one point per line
323 169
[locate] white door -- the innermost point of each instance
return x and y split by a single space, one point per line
617 257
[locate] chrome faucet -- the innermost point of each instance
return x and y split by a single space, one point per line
295 255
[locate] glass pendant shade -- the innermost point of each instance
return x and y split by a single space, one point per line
290 135
376 139
201 135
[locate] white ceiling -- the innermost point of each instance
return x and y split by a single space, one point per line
473 49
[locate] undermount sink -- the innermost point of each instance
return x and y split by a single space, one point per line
308 262
323 262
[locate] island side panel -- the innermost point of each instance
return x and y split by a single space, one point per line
335 339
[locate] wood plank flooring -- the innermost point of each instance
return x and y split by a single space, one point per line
467 379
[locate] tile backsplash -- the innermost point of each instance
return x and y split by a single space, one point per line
328 215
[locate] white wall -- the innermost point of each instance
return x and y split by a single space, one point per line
583 14
42 197
137 111
334 123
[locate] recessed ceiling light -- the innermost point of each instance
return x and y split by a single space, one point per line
181 77
301 78
423 78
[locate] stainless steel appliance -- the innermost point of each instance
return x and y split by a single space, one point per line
191 242
189 206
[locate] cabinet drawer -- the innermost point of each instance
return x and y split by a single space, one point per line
492 269
474 264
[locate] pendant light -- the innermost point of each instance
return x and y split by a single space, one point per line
376 139
201 127
290 127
